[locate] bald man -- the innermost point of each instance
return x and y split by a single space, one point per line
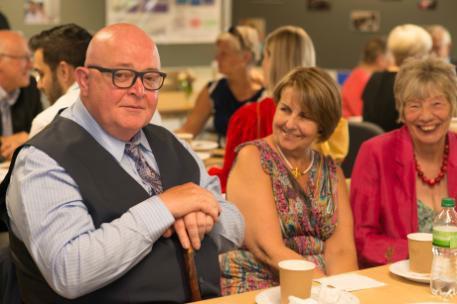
19 98
102 204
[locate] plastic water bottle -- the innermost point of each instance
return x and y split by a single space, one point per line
443 279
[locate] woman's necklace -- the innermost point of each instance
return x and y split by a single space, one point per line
295 170
434 181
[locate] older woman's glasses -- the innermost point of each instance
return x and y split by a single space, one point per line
125 78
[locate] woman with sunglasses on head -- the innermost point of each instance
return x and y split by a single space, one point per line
237 51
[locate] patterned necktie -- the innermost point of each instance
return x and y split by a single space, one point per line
147 174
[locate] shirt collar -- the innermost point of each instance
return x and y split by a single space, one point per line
78 113
10 99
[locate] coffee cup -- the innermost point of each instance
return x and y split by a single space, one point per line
295 277
420 252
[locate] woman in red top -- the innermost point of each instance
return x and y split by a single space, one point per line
400 177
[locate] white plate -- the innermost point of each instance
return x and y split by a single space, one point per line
273 296
401 268
203 145
203 155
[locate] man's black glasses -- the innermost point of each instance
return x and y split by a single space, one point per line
125 78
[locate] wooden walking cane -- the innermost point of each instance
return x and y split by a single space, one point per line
192 274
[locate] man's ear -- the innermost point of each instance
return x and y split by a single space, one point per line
82 78
65 74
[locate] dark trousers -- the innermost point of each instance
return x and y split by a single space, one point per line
9 289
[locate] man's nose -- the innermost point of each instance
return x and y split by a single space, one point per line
138 88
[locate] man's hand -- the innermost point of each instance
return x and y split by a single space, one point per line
195 210
10 143
188 198
191 229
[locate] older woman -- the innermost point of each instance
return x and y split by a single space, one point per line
293 198
400 177
286 48
236 55
404 41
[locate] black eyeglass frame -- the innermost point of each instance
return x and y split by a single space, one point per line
236 33
136 73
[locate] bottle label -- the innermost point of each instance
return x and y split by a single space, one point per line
445 236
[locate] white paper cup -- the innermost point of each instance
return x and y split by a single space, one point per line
295 278
420 252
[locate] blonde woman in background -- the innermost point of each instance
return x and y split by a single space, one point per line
293 198
237 52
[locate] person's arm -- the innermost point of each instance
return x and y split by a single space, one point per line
47 213
250 188
199 115
340 254
228 230
374 246
10 143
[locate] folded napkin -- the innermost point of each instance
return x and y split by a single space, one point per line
350 282
295 300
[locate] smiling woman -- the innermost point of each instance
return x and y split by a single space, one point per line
294 191
400 177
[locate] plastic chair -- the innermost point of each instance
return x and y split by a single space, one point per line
358 133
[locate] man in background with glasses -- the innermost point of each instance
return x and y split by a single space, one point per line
103 205
19 98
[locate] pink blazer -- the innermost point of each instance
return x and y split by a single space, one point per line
383 196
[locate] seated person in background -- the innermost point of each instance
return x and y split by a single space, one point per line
57 52
442 41
236 55
404 41
374 59
20 100
285 48
400 177
102 204
297 205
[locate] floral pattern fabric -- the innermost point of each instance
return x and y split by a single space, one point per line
425 216
307 218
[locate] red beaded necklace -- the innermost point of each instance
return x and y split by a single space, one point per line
434 181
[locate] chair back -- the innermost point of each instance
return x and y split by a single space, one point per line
358 133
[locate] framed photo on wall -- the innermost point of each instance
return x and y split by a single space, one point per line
173 21
41 11
365 21
426 5
318 5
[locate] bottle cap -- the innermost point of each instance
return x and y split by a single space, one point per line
447 202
